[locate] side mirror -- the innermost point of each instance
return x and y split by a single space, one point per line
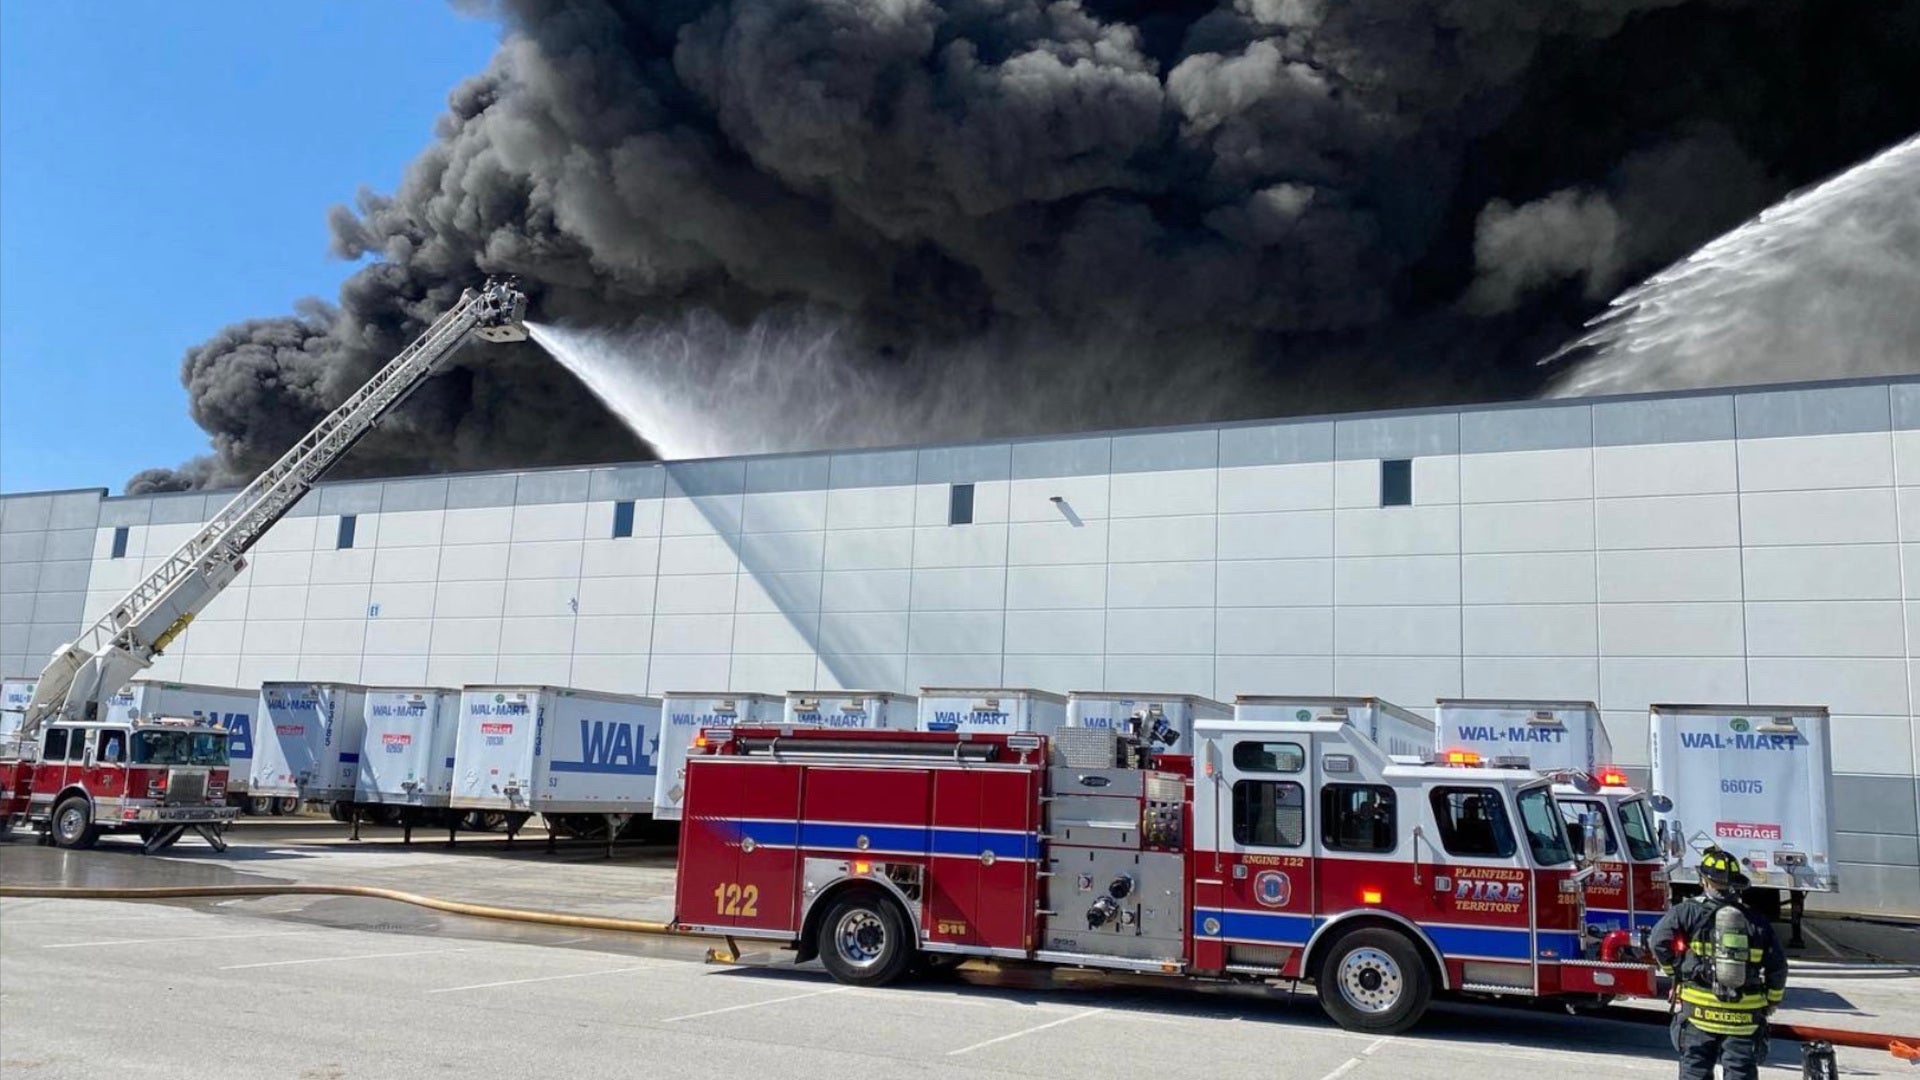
1660 803
1593 840
1671 838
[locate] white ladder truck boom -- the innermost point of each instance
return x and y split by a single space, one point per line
83 675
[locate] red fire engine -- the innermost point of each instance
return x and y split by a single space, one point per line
1280 851
154 777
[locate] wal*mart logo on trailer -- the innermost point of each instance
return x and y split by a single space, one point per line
549 750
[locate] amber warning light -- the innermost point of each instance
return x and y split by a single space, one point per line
1612 778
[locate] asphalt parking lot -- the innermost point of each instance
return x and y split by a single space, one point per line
328 988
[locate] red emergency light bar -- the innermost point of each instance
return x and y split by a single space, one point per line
1612 778
1462 757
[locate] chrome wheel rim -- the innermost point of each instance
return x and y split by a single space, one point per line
73 822
1370 981
860 938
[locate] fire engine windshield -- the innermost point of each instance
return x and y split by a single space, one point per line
1545 835
179 748
1635 822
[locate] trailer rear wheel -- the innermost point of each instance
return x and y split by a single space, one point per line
73 826
259 805
287 806
863 939
1374 981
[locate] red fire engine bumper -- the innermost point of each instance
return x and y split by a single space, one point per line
1600 977
179 815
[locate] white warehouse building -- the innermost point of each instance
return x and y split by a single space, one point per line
1756 546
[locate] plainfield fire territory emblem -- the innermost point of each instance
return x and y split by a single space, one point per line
1272 888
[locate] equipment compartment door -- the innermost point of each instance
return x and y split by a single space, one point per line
738 846
981 892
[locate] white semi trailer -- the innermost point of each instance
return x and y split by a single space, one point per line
850 709
1757 781
996 710
585 761
307 743
1162 721
15 695
1402 733
406 755
685 713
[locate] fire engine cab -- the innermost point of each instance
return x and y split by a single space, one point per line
1607 818
155 777
1280 851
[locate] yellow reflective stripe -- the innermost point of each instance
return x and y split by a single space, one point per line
1695 995
1774 996
1700 947
1756 955
1717 1028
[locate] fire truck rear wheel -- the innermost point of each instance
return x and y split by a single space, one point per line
73 826
1374 981
863 939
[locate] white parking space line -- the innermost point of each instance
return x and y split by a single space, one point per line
1821 940
172 940
757 1004
344 959
1027 1031
1353 1063
543 978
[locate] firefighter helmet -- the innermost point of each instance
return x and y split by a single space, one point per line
1719 868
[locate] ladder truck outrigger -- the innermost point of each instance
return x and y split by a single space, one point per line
70 771
1292 849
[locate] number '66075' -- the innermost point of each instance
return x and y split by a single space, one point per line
1742 787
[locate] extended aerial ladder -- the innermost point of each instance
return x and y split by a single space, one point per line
83 675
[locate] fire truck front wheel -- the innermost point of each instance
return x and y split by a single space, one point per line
1373 980
863 939
73 826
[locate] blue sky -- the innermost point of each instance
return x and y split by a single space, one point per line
165 169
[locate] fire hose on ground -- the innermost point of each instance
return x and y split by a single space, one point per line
1906 1048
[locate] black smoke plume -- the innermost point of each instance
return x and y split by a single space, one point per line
1150 211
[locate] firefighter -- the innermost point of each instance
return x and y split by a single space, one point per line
1728 973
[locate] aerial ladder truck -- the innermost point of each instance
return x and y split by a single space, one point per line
71 771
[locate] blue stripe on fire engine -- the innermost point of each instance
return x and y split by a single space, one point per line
1562 944
1281 929
1491 942
879 837
969 843
1498 943
972 843
776 833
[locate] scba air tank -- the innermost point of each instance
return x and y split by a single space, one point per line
1730 957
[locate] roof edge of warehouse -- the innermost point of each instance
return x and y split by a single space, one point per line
1522 404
